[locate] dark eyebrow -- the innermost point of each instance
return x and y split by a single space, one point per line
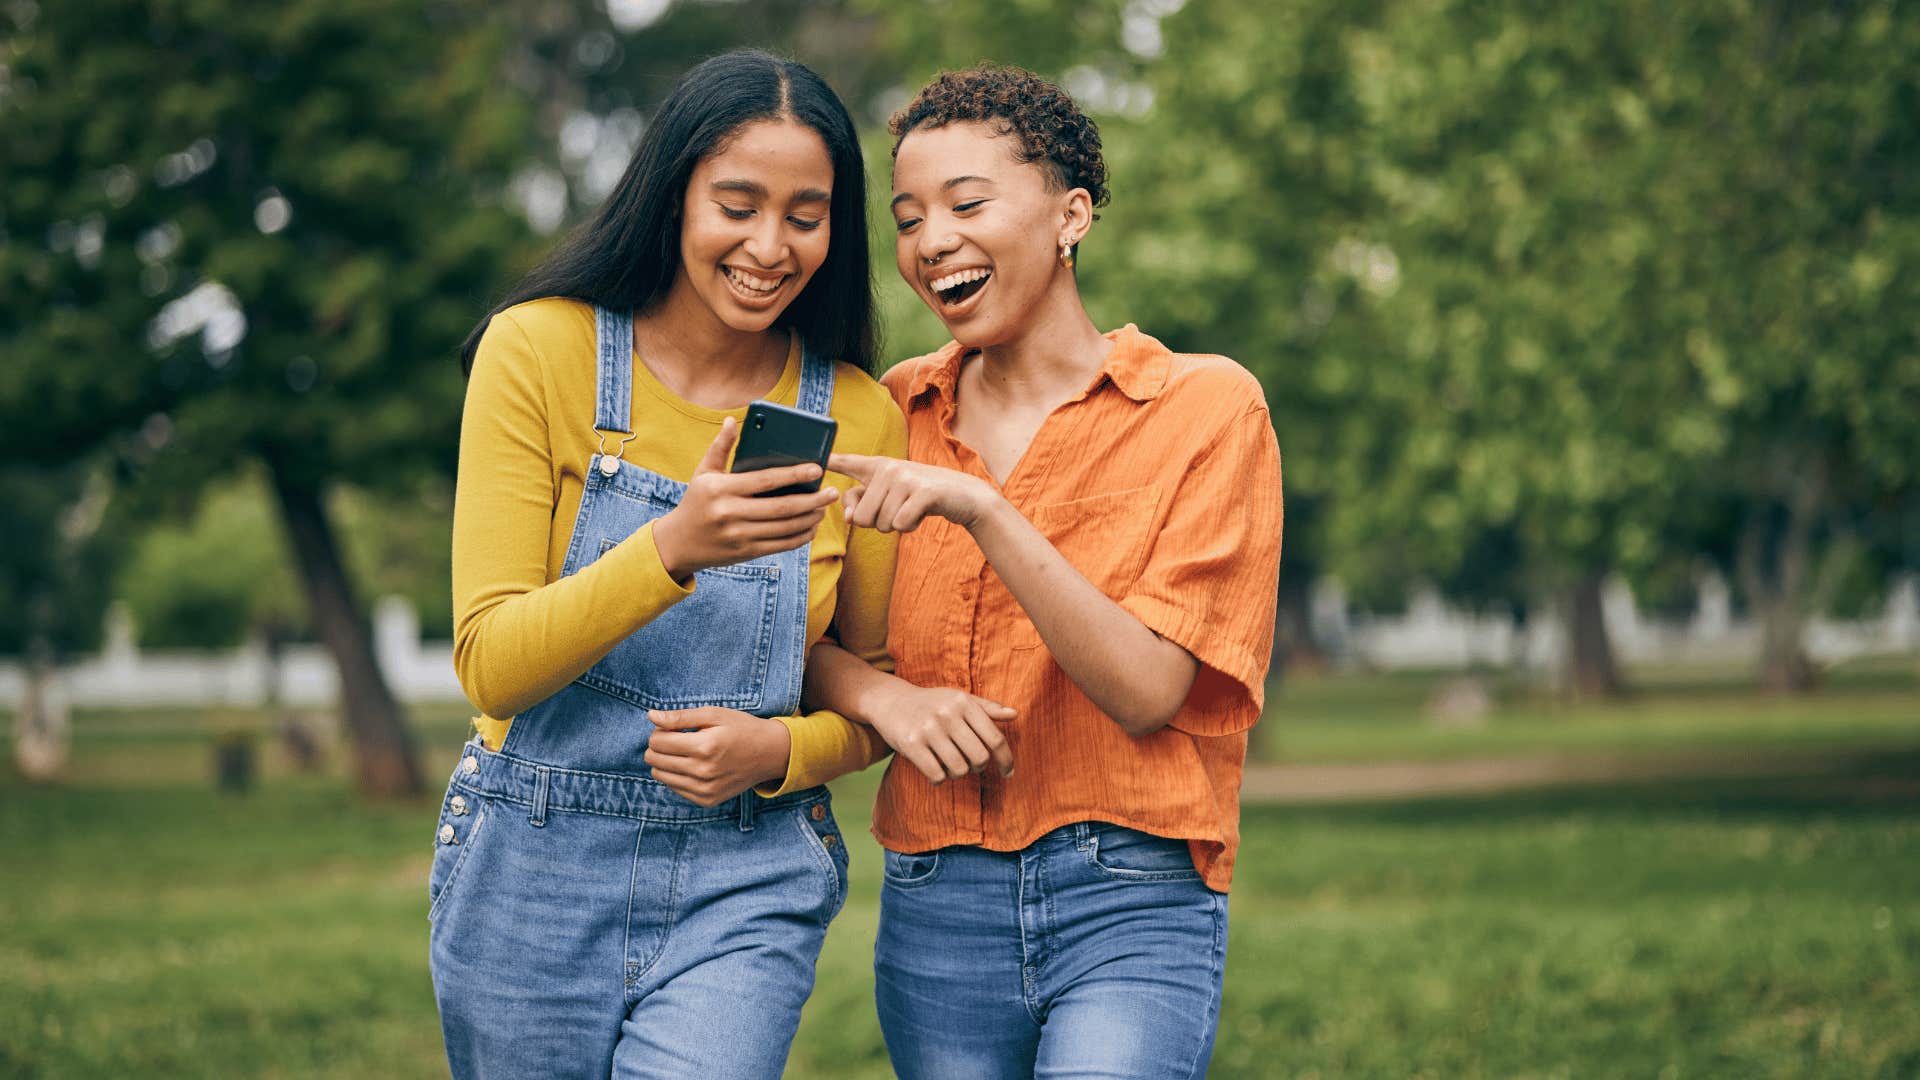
745 187
948 186
812 194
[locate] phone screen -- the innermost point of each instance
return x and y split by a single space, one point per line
775 435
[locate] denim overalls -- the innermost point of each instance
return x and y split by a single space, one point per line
587 921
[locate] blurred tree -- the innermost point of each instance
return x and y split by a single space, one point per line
255 234
55 562
1547 280
1797 231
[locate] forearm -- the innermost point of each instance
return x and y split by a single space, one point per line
1133 674
515 645
841 682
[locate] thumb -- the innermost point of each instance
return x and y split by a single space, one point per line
685 719
995 709
720 449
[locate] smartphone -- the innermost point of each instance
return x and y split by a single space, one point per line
775 435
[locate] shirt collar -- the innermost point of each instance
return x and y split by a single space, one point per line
1137 365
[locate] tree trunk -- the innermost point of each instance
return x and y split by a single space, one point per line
382 748
42 734
1591 671
1779 600
1783 590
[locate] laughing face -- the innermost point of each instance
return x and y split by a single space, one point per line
754 225
978 231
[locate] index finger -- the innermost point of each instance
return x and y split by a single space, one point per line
859 466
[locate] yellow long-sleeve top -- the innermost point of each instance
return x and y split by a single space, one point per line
522 632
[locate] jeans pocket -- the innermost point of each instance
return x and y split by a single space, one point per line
463 817
830 845
910 871
1132 855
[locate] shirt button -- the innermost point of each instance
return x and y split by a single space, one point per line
818 813
829 840
470 765
459 805
609 465
446 834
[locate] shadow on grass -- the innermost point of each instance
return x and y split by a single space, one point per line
1884 786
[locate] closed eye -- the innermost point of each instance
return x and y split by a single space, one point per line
968 205
737 215
904 225
803 223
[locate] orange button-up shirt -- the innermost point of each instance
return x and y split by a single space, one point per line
1160 482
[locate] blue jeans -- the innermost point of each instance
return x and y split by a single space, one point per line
592 925
1095 952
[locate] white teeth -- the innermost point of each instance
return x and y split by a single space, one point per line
961 278
752 282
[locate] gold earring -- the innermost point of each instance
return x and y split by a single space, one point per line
1066 253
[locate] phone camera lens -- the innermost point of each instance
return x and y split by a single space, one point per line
759 423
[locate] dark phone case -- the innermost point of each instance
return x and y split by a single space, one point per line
775 435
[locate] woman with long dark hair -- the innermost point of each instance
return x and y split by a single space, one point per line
636 862
1093 538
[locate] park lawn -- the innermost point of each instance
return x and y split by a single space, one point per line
151 927
1381 716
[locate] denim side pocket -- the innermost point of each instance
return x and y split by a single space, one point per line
910 871
1132 855
463 817
829 845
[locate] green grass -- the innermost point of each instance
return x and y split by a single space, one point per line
1381 717
150 927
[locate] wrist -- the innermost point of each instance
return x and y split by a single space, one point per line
983 505
666 542
776 753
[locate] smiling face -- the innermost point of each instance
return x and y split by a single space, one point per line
979 232
754 227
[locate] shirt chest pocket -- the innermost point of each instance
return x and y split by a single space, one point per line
1106 537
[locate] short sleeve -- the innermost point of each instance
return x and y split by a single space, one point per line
1212 575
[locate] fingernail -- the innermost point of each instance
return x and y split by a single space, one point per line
831 493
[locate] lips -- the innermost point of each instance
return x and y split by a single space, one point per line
955 287
753 287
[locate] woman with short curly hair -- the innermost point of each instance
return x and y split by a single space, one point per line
1092 537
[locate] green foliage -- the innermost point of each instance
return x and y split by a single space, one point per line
54 556
222 572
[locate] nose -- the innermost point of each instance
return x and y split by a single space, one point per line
767 243
934 244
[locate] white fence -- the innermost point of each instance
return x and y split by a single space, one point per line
1428 635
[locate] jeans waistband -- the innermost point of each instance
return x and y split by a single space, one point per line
550 787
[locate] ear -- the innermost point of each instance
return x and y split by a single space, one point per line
1076 215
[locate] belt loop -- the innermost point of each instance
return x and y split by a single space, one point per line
539 815
1082 835
747 799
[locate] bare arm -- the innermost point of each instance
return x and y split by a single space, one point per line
942 731
1134 675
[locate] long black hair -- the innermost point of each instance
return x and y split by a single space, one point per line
627 255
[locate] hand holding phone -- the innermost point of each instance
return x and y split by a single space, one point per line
726 518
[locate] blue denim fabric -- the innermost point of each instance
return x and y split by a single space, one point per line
1095 952
587 921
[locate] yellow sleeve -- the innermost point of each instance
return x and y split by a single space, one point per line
826 745
517 637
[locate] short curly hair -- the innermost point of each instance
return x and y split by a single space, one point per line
1050 128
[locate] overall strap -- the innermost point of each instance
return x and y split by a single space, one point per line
816 382
613 390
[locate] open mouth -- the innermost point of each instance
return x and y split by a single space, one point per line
957 288
753 286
